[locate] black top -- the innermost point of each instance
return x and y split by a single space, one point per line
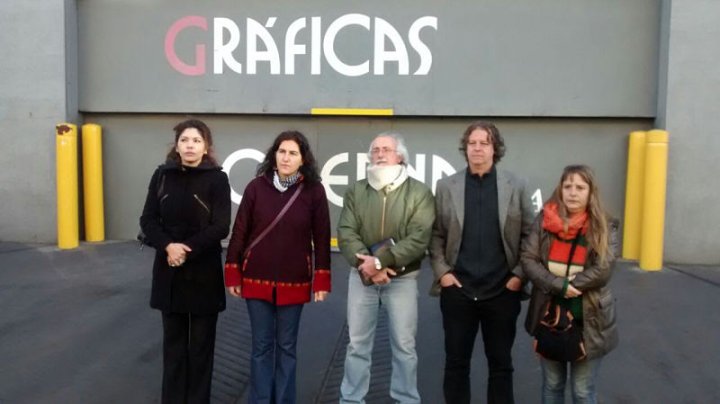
189 205
481 265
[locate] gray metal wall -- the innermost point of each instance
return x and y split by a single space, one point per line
538 149
488 59
689 109
565 81
38 89
494 58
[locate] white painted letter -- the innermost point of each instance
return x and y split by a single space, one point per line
223 51
329 45
537 200
329 179
383 30
315 50
233 158
422 49
291 48
440 167
417 172
361 166
256 30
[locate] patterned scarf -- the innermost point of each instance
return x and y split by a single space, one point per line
560 252
562 243
283 185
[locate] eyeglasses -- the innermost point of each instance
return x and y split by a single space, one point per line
377 150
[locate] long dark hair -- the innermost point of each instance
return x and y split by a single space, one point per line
204 132
598 232
308 168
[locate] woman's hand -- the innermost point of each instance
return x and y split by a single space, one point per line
572 292
176 253
234 290
320 296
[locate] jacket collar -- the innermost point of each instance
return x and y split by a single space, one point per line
504 190
174 165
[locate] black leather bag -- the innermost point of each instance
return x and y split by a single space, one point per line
557 337
141 237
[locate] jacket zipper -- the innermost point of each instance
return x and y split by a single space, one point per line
382 223
202 203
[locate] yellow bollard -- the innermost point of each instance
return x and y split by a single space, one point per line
67 185
653 217
93 182
634 195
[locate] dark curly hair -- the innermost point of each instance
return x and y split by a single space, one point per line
308 168
204 132
493 135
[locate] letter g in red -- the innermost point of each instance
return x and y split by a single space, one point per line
198 68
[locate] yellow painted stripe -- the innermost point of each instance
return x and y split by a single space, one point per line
352 111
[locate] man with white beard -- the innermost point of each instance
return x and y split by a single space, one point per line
383 231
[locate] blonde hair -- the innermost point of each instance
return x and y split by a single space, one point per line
598 233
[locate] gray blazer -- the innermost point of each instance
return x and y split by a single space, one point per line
515 213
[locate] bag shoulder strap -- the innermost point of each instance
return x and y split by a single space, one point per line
161 186
277 219
572 253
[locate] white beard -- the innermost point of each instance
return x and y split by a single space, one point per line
386 177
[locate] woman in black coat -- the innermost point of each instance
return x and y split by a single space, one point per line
186 214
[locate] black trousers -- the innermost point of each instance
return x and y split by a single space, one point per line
462 316
188 352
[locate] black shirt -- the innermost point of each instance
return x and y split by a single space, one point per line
481 266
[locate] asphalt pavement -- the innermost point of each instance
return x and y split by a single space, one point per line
76 328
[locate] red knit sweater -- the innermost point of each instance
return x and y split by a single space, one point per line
285 259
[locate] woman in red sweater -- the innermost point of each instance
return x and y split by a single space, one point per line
278 256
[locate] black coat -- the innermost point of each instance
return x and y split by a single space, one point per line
191 206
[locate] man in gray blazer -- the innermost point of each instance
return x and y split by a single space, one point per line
482 213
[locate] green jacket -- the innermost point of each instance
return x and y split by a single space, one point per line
406 214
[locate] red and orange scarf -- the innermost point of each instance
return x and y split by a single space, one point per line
577 226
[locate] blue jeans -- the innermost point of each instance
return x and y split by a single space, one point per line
273 359
399 298
582 381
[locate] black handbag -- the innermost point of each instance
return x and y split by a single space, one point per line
557 338
141 237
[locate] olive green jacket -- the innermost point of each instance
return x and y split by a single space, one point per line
406 214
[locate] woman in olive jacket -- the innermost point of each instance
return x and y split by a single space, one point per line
186 215
574 210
